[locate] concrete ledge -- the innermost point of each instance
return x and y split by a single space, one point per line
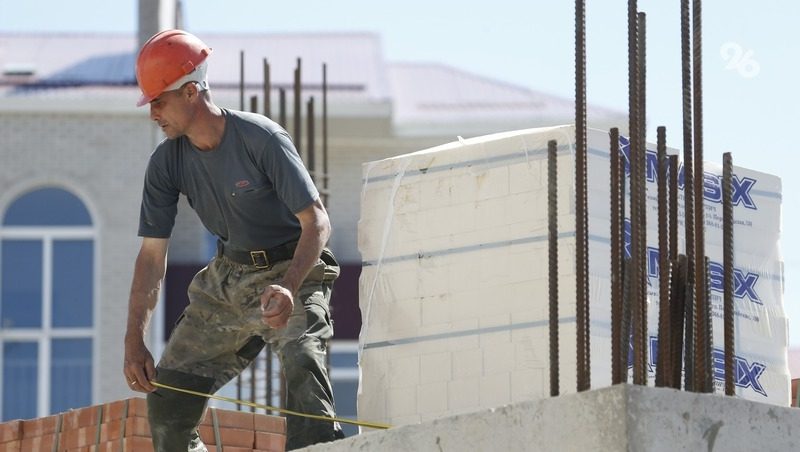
618 418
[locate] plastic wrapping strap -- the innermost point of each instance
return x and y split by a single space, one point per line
387 227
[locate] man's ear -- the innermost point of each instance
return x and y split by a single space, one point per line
190 91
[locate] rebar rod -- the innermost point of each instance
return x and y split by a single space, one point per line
298 109
267 89
241 80
311 153
702 343
626 358
728 275
241 107
664 321
282 107
708 382
641 221
672 163
581 217
676 312
552 241
688 194
325 132
615 234
633 155
678 294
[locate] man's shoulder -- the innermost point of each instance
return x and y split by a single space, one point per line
165 150
253 123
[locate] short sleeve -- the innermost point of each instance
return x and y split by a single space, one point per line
159 200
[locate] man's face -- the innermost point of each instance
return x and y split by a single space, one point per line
171 111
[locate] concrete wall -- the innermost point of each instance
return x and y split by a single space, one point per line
619 418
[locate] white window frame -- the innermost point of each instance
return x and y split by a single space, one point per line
46 334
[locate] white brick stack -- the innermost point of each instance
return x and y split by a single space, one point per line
454 289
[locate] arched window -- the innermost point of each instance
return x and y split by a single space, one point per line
47 302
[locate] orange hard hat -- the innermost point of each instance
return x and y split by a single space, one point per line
168 57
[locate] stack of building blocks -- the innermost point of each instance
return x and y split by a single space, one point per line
122 426
455 277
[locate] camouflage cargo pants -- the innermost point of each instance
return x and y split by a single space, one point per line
221 332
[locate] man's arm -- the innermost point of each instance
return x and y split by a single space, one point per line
147 276
277 301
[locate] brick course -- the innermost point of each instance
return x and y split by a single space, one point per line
123 425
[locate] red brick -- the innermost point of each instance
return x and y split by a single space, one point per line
229 418
83 417
38 443
137 407
79 437
230 449
11 446
10 431
272 442
229 436
81 449
134 426
272 424
133 444
39 427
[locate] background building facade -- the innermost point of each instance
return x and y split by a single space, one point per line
74 150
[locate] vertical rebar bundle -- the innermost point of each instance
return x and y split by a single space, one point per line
249 377
638 278
552 241
685 333
582 215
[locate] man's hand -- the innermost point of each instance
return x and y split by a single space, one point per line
277 304
139 367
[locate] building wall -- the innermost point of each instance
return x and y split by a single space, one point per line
101 159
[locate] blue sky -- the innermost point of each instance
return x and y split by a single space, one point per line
750 60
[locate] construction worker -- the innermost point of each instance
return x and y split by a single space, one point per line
271 278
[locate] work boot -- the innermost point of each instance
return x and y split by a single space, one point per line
196 444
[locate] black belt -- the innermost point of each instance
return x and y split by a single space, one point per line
259 258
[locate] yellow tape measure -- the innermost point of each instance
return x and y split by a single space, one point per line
272 408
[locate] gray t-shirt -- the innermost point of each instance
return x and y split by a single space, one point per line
246 191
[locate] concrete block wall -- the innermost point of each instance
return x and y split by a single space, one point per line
454 288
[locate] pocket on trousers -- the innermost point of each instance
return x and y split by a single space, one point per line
252 348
